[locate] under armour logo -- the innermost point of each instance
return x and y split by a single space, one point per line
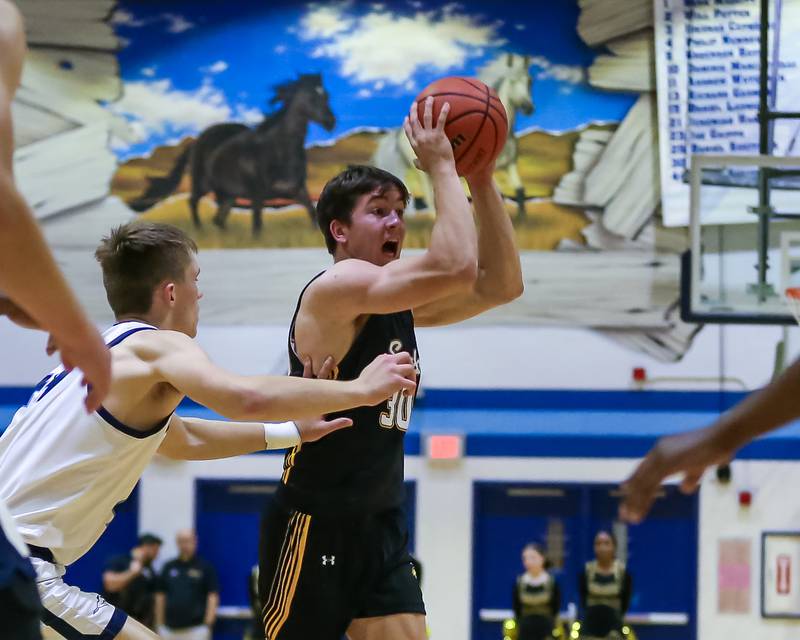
328 559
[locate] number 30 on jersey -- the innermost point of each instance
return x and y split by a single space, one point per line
399 406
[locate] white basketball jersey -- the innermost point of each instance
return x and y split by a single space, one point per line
62 471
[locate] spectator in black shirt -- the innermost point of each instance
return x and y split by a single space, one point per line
129 581
188 594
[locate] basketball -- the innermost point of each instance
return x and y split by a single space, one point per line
476 126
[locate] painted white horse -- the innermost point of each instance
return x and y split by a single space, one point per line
509 75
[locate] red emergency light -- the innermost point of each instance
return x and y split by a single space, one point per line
445 447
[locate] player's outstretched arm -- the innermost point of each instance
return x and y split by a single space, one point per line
198 439
692 452
28 273
499 278
178 360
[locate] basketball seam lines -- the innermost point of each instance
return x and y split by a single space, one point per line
467 95
478 132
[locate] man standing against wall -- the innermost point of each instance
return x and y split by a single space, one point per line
188 594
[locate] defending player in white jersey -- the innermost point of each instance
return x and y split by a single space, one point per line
62 470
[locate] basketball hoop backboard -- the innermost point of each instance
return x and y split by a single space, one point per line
745 246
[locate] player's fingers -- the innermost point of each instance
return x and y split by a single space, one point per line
637 500
339 423
628 514
93 399
323 427
409 133
413 117
691 481
404 357
427 113
443 116
308 369
409 386
327 369
407 371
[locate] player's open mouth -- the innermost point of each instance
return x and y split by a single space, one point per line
391 247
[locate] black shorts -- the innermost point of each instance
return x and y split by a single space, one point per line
20 609
318 573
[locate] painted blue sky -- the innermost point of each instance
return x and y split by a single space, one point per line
186 65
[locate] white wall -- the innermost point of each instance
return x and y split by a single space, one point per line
775 507
509 357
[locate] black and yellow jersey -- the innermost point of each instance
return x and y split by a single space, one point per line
358 469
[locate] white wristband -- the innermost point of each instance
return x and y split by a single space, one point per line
281 435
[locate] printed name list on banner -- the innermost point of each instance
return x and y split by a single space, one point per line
707 54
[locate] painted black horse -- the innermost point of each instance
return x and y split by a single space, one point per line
235 161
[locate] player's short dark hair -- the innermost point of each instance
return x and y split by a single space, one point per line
341 193
136 257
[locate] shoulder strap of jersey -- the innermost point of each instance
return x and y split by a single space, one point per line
297 310
112 336
121 330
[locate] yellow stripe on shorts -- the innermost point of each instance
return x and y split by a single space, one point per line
286 577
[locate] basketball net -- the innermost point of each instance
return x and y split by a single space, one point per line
793 298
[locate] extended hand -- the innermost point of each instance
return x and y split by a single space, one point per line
689 453
429 142
316 428
386 375
86 350
90 354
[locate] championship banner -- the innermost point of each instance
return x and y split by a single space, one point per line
707 63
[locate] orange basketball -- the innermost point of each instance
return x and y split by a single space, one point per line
477 125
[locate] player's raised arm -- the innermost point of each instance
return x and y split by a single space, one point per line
28 273
384 284
692 452
499 278
178 360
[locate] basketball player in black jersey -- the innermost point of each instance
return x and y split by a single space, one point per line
334 557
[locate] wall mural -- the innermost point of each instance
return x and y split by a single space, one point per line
227 119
